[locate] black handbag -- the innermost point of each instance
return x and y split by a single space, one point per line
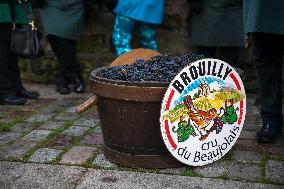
25 39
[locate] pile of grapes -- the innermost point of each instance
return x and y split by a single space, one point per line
162 68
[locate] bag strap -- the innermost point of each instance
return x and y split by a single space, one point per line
12 10
27 12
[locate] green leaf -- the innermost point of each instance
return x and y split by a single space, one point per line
230 110
195 96
184 131
230 116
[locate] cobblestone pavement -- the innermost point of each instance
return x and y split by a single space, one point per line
46 144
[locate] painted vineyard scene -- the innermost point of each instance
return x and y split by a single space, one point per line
204 108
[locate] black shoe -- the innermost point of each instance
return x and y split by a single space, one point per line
13 100
269 133
62 86
27 94
79 85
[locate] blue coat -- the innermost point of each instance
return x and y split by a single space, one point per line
150 11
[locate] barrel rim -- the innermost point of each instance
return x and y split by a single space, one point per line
145 92
96 75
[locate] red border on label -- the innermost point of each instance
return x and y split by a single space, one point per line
173 144
241 102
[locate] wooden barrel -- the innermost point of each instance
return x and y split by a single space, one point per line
129 115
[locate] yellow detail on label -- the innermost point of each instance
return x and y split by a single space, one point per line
176 113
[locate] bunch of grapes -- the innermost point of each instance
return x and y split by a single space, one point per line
162 68
217 125
188 101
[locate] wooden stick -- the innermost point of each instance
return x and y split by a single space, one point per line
86 105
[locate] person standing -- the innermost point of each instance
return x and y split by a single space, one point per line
130 14
217 29
12 91
264 25
62 22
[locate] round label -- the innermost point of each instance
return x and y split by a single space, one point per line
203 112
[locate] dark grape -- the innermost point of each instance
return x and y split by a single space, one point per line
161 68
188 102
218 125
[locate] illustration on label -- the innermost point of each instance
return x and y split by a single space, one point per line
203 112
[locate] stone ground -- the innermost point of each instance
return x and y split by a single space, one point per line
45 144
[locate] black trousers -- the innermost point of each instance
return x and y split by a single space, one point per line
227 54
10 80
267 55
66 52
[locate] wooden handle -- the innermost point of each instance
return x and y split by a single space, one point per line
86 105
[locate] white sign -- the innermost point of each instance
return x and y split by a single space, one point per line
203 112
